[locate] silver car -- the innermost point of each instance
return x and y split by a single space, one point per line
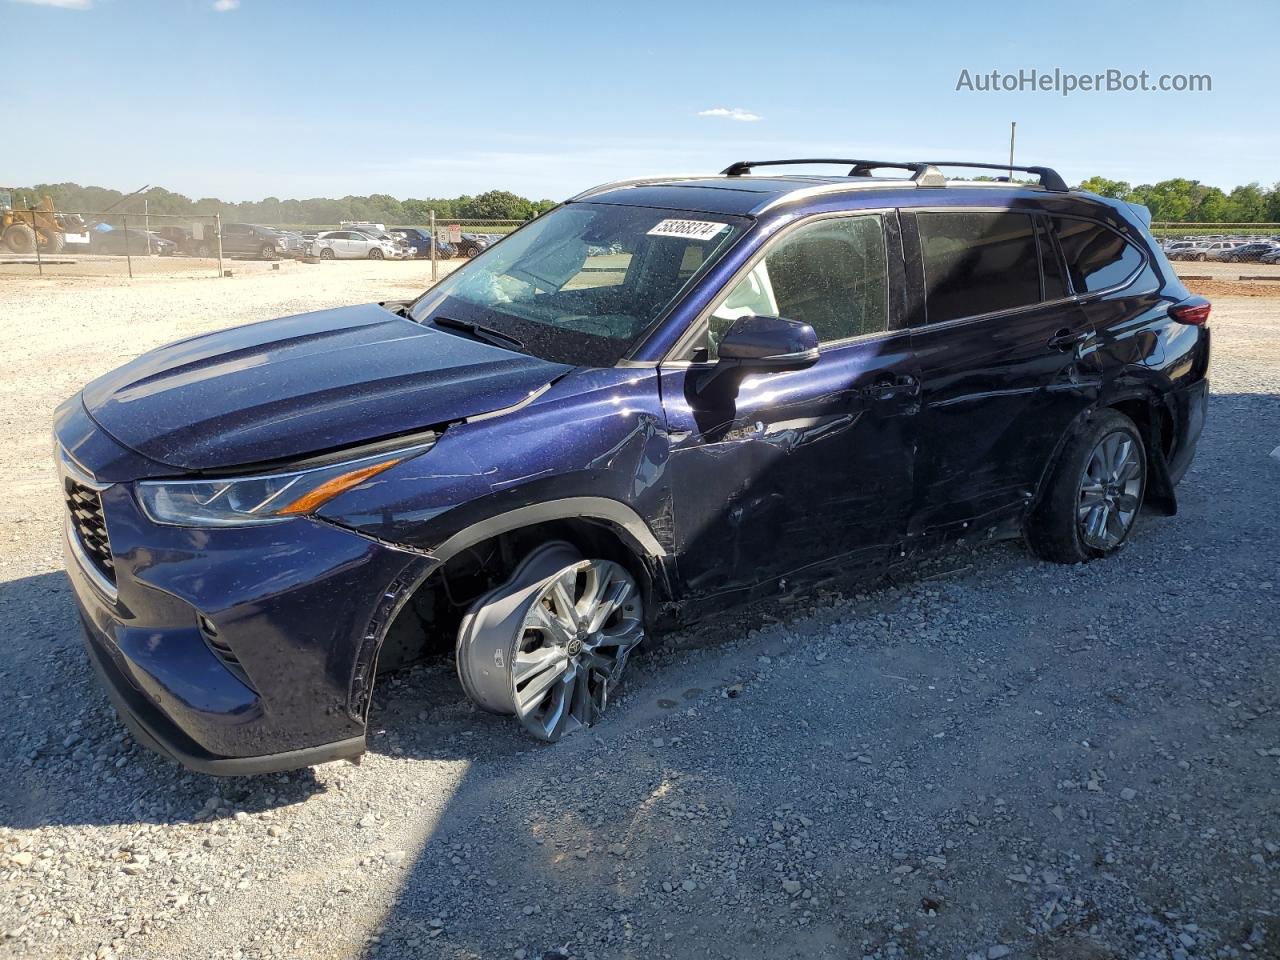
353 245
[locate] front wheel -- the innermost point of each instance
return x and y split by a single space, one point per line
1201 258
326 253
1093 497
375 254
268 251
20 238
550 645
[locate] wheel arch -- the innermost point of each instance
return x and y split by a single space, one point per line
1149 411
426 610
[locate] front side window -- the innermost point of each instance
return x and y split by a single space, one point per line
586 282
1097 257
976 263
831 275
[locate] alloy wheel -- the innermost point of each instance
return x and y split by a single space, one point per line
1110 491
550 645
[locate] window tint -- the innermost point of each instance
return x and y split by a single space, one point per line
1097 258
1055 286
978 263
830 275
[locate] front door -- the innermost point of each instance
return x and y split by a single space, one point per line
798 474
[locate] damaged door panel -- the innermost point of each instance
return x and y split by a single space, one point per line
1002 352
777 475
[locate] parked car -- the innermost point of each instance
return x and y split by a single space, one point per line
133 242
1272 257
252 240
352 245
544 458
184 242
473 244
1207 250
421 242
294 244
1245 252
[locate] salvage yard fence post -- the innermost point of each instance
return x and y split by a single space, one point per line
217 232
433 246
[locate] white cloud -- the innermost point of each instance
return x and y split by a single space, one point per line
64 4
737 113
225 6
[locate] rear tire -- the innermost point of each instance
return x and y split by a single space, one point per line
20 238
1091 502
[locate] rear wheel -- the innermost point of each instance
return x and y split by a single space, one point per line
1094 495
20 238
550 645
203 250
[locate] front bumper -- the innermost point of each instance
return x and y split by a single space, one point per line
239 650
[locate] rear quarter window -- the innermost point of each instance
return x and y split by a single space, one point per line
1097 257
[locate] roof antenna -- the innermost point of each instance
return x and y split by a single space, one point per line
1013 130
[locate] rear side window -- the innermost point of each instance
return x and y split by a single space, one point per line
1097 257
977 263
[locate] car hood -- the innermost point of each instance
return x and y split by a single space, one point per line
304 384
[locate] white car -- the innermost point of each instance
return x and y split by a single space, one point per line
352 245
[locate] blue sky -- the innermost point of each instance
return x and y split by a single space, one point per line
257 98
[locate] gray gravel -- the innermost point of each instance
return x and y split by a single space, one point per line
994 758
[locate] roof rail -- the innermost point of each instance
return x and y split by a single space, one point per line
922 174
1050 179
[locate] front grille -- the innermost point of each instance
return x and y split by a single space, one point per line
85 507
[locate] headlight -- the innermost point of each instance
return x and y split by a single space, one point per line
267 498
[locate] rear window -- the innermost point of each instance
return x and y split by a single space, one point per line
1097 257
976 263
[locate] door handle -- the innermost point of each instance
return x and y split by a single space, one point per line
1065 339
904 385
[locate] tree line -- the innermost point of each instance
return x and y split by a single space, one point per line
377 208
1190 201
1177 200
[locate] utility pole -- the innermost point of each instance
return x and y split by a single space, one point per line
1013 130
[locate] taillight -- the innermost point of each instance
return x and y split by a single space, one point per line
1193 310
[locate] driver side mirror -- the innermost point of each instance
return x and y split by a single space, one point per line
765 344
769 343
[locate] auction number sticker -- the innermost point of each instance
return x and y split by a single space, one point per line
689 229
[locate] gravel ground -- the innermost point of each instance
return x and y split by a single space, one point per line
994 758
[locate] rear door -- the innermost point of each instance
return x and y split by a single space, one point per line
1001 349
803 472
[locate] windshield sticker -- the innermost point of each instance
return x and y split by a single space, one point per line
689 229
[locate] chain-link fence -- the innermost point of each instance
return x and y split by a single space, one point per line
1220 242
110 244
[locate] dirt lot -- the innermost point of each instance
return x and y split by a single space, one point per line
996 757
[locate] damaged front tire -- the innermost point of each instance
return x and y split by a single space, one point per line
550 644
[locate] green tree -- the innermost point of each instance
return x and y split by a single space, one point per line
1117 189
495 205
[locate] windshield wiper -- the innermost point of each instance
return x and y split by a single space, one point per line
480 332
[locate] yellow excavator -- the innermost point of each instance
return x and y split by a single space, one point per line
21 231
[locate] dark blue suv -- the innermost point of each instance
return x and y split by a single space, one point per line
660 399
